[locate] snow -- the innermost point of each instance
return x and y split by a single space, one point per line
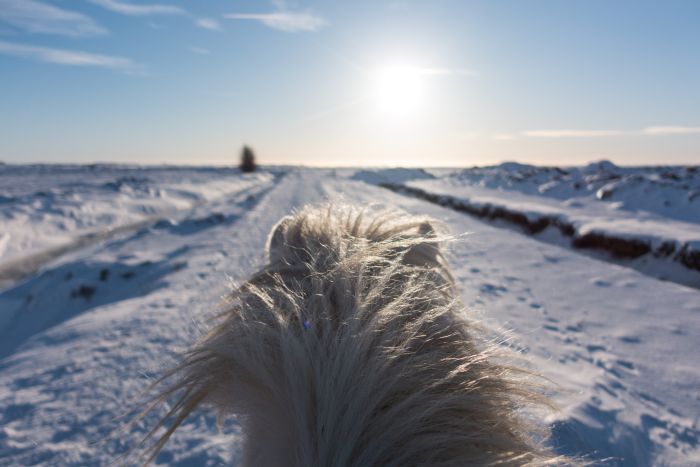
80 199
82 337
587 214
656 207
671 192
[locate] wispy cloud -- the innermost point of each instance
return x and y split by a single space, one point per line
199 50
571 133
66 57
151 9
284 20
672 130
208 23
38 17
132 9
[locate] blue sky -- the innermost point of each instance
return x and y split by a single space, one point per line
417 83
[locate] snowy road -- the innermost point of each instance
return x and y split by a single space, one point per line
80 340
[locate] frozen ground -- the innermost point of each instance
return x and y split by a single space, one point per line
647 218
84 334
672 192
46 206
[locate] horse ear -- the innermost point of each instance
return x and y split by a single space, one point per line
426 252
275 241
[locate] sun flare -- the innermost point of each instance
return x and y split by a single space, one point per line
398 90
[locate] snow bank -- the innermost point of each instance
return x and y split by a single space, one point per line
597 207
44 206
671 192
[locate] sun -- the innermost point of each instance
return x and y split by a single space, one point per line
398 90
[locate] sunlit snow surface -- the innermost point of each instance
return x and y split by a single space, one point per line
82 336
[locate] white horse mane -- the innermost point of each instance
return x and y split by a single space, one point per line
351 347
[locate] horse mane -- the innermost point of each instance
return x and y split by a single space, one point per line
351 347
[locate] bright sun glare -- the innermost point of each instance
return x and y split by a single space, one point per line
398 90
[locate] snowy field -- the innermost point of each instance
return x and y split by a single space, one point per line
645 218
108 271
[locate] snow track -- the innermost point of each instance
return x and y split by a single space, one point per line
80 340
19 268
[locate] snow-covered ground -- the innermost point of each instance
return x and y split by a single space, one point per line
80 338
672 192
647 218
46 206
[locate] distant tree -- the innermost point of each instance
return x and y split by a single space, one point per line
247 160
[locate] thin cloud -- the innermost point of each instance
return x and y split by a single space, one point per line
571 133
208 23
672 130
66 57
41 18
131 9
286 21
199 50
150 9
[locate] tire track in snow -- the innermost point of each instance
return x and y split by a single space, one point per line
19 326
18 269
